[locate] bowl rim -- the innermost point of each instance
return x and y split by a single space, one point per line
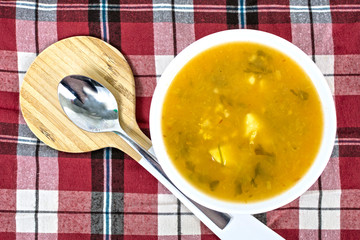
301 59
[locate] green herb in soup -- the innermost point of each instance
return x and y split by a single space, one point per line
242 122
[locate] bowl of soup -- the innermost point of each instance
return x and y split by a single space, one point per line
242 121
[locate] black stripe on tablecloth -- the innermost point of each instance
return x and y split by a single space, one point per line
37 167
348 132
114 34
178 212
94 19
94 14
232 17
349 150
97 189
117 187
342 75
311 31
11 71
348 141
37 147
114 16
173 18
252 18
261 217
319 208
37 27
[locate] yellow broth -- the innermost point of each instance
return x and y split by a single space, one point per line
242 122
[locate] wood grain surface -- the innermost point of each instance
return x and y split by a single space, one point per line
90 57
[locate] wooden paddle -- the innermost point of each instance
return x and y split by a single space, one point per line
90 57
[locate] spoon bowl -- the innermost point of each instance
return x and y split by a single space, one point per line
88 104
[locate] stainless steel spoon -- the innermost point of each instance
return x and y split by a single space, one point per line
93 108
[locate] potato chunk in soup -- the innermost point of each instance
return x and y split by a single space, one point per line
242 122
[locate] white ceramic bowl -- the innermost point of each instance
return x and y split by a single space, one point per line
293 52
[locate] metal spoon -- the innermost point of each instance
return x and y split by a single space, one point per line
93 108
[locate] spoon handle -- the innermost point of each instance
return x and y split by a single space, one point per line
218 218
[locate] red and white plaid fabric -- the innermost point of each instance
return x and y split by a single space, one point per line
45 194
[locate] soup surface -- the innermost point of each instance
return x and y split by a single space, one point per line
242 122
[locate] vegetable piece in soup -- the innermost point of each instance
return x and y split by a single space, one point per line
242 122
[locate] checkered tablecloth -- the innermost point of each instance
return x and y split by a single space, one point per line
45 194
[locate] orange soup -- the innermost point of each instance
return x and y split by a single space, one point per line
242 122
